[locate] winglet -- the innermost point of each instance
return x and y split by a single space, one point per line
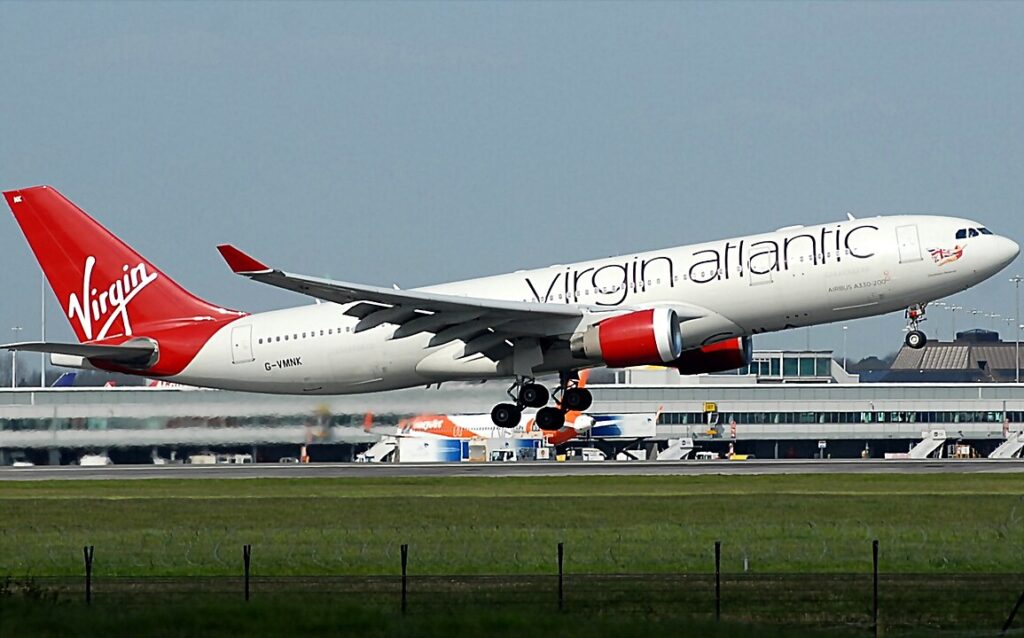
239 262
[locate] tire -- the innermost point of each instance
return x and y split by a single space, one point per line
533 395
577 399
506 415
550 419
915 339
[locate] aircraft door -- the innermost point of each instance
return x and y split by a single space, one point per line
241 344
909 244
760 267
757 279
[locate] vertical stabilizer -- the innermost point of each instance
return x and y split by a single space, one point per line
105 287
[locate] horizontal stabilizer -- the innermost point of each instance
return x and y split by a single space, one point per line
135 353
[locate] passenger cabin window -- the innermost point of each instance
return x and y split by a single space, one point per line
961 234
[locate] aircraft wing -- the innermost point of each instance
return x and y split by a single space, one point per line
485 324
131 353
375 305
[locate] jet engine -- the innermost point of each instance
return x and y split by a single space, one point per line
717 357
645 337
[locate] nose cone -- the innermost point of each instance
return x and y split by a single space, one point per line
1006 251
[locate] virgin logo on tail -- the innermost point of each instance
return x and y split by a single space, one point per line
111 303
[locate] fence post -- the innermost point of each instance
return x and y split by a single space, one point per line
561 575
718 580
1013 614
88 552
405 576
874 586
246 561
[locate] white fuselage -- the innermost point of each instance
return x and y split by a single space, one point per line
750 285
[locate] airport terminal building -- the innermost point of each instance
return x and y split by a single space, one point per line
784 405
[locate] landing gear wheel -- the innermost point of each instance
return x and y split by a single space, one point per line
550 419
916 339
577 399
533 395
506 415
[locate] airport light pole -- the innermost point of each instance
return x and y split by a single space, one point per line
941 304
952 312
1016 279
1017 351
845 328
14 359
42 328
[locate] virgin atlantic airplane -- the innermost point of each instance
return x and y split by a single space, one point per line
693 308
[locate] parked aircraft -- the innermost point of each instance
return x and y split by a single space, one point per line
472 426
692 307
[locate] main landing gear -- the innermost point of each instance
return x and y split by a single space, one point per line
915 338
526 393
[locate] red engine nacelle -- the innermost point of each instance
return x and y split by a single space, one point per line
717 357
645 337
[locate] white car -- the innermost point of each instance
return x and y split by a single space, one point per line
95 460
591 454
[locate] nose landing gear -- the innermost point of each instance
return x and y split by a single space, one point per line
915 338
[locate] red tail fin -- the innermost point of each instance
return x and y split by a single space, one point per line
106 288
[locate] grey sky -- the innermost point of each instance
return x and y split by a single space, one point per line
418 143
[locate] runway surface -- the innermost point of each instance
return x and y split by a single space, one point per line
607 468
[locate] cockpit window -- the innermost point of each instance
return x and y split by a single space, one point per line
985 231
972 233
961 234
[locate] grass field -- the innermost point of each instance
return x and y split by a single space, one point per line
925 523
796 554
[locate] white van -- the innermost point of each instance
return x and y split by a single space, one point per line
95 460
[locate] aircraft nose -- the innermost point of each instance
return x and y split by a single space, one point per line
1007 250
